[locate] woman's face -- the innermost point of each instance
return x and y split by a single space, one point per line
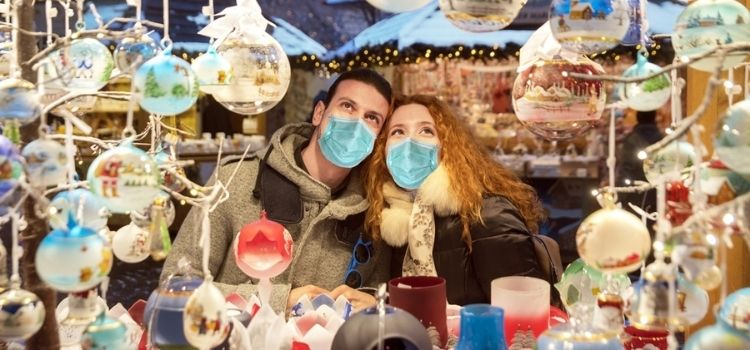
412 121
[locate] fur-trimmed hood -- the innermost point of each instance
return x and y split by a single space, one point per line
435 191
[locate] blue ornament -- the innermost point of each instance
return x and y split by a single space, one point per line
735 311
646 95
73 261
93 212
733 140
165 309
166 85
46 162
718 337
18 101
481 328
105 333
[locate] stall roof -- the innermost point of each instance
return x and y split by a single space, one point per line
429 26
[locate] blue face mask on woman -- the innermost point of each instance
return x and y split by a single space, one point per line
346 142
410 162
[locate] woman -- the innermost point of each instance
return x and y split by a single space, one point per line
463 216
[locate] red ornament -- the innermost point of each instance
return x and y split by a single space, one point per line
679 208
263 249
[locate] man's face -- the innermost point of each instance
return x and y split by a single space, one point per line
356 100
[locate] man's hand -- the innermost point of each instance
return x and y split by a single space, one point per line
296 293
359 300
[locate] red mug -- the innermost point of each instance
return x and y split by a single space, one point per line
425 298
639 338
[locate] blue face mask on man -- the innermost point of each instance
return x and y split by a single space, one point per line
346 142
410 162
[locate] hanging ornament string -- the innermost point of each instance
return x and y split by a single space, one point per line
15 249
676 106
166 42
129 130
662 225
14 63
80 25
67 18
49 13
611 160
138 14
70 151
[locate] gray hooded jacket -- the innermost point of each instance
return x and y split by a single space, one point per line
324 229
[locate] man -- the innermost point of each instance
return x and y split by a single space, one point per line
307 180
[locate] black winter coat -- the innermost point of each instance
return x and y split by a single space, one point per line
501 246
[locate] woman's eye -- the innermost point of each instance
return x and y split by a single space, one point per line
397 132
428 131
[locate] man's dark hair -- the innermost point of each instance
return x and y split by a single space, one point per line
367 76
646 117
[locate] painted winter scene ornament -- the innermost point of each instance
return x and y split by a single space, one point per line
205 322
18 101
46 162
261 72
132 52
21 314
554 105
81 206
479 15
125 178
646 95
732 143
613 240
213 71
735 311
166 85
86 65
87 257
589 26
669 163
705 24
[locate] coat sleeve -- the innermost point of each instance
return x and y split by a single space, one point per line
186 247
502 245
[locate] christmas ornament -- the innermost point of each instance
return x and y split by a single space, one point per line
480 16
45 162
131 244
669 163
263 249
125 178
133 52
647 95
613 240
361 330
165 308
261 72
212 71
579 337
697 258
649 304
11 171
144 218
79 205
87 259
583 283
692 301
705 24
733 140
86 65
679 208
554 105
637 30
18 101
721 184
80 308
588 26
482 327
397 6
21 314
160 217
735 311
172 182
718 337
166 85
205 322
105 333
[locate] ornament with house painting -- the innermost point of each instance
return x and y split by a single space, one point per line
589 26
481 15
705 24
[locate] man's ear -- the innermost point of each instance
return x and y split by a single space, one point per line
320 107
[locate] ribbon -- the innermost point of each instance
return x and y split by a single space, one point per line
246 17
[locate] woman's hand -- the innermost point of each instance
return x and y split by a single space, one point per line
359 300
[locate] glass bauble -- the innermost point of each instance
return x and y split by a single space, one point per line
19 101
479 15
648 306
85 65
125 178
166 85
718 337
261 73
565 336
73 261
613 240
669 163
165 310
133 52
735 311
205 322
171 181
81 206
11 170
705 24
46 162
635 34
263 249
397 6
647 95
732 143
589 26
130 244
213 71
143 218
554 105
21 314
581 283
105 333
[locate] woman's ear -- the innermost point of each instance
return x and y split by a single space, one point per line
320 107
